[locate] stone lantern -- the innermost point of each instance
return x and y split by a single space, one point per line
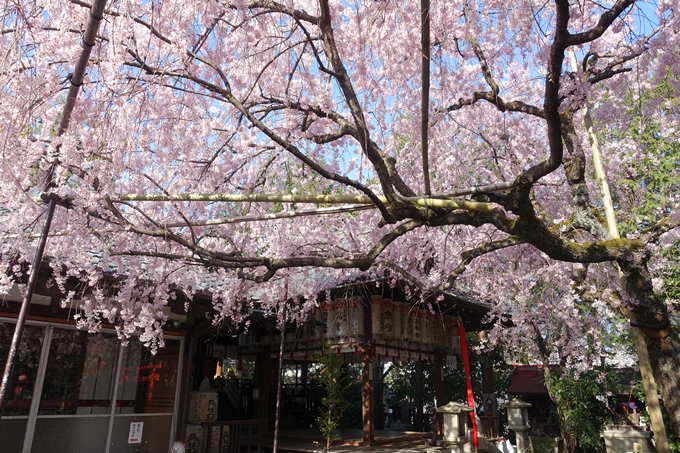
518 421
455 427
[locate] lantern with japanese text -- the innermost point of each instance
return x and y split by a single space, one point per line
356 320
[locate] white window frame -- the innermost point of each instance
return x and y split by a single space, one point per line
40 378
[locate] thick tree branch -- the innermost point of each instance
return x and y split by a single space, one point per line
501 105
280 8
551 104
363 135
551 101
468 255
487 188
485 66
602 25
216 259
584 215
226 94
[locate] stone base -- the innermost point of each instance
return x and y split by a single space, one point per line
621 439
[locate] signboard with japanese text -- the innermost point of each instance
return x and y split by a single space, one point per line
135 436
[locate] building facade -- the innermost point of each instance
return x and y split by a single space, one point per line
75 391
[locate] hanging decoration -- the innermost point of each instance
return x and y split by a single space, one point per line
401 332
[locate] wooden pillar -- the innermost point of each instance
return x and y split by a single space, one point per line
487 373
186 385
366 381
438 393
420 385
439 379
378 389
490 420
263 373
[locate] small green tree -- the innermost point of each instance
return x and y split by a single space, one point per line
333 379
582 406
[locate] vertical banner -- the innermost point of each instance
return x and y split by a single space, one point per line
466 366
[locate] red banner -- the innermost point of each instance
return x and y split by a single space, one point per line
471 399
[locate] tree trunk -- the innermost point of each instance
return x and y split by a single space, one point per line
663 342
664 353
569 441
329 421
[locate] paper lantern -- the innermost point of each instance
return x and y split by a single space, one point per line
355 311
399 310
377 323
341 322
387 320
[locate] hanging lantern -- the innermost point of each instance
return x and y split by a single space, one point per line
417 323
377 322
327 318
398 311
387 321
341 322
314 327
356 320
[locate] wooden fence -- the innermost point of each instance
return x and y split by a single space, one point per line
235 436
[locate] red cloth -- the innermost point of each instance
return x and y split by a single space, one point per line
471 399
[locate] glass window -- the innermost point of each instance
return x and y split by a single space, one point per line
79 374
22 380
147 382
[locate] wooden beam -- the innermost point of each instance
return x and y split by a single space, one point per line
306 198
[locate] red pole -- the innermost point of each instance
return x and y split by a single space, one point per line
471 399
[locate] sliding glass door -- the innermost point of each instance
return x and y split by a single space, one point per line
91 392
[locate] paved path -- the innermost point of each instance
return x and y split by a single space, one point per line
302 440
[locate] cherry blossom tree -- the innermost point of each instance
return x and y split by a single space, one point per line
262 148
